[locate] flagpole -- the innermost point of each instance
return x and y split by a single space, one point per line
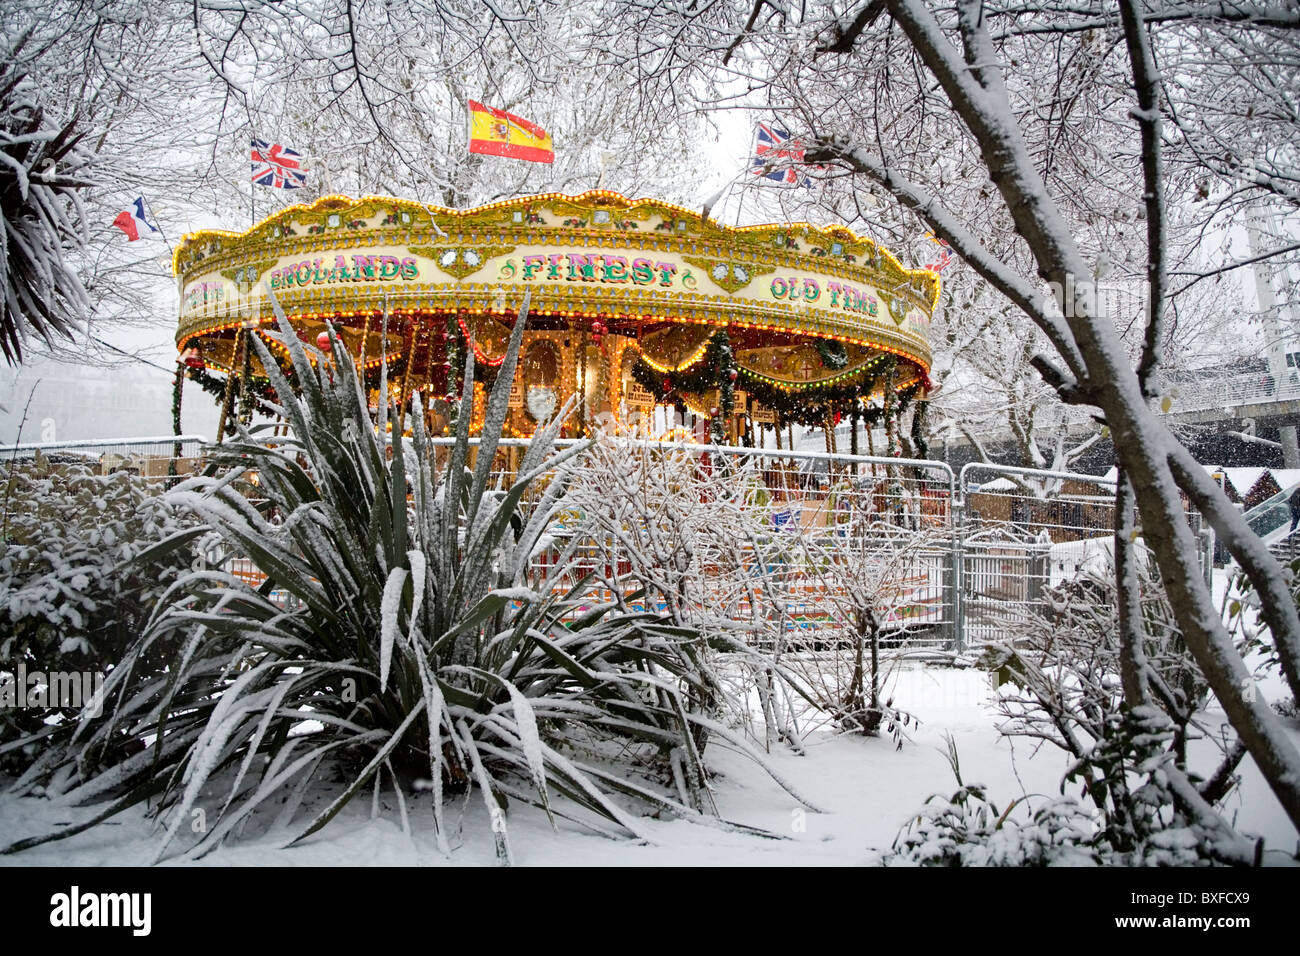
250 103
157 224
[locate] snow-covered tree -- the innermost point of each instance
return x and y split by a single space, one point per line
167 97
1031 102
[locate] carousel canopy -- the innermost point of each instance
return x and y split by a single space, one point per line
806 310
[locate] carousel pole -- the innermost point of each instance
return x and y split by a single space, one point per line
403 393
227 399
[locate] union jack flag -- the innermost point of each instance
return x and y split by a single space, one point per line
945 255
277 166
776 156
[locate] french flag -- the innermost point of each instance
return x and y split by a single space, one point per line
132 221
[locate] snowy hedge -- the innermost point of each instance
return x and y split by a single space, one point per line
72 595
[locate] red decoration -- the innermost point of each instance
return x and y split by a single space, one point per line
480 356
732 375
668 384
193 358
323 341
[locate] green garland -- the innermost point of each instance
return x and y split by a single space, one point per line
889 368
809 407
456 373
712 371
833 354
259 386
919 444
246 395
726 366
178 387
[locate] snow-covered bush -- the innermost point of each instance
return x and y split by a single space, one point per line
1060 680
968 829
76 581
870 578
403 638
667 529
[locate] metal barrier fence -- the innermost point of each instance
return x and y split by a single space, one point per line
789 546
1022 531
798 548
941 561
1237 390
150 457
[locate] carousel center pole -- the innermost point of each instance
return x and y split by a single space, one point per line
227 399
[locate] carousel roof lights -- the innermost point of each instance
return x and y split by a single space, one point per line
216 277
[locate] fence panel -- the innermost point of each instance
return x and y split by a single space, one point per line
789 547
1023 531
784 543
149 457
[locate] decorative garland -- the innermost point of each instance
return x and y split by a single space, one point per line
455 362
727 372
259 386
919 444
481 357
809 407
716 369
246 394
178 387
833 354
891 411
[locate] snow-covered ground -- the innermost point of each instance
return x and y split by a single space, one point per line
866 789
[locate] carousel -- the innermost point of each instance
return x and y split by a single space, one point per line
664 322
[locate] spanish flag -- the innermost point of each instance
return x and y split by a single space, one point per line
498 133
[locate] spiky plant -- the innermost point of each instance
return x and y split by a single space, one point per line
42 170
402 633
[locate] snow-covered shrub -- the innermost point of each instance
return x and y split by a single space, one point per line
1060 680
865 570
667 529
403 638
968 829
76 581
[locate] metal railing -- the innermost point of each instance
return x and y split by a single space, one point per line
1023 531
948 559
1270 514
1227 393
150 457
